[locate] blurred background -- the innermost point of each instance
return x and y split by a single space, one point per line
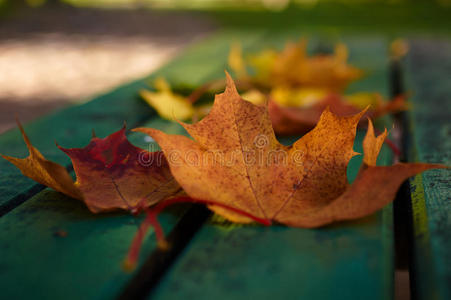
57 52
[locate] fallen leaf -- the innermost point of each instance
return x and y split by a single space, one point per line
46 172
237 166
292 110
298 111
302 97
168 105
262 63
292 67
254 96
111 173
236 61
172 106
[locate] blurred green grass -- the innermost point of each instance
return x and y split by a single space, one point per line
383 16
402 18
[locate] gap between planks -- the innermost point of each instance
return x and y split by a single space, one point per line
402 209
159 260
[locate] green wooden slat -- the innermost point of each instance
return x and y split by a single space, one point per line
428 72
86 263
37 263
352 260
71 126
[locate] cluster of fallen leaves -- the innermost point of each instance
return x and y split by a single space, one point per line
296 87
255 177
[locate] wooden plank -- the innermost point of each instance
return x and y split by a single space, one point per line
206 60
38 263
352 260
428 73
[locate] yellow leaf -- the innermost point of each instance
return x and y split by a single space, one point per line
303 97
236 61
364 99
167 104
255 97
263 63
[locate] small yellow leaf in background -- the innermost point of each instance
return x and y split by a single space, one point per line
363 99
236 61
254 96
263 63
303 97
167 104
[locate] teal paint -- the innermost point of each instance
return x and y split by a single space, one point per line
428 67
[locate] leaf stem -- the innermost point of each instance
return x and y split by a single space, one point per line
151 220
133 253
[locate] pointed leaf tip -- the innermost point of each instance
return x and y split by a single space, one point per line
372 144
360 114
230 83
24 135
46 172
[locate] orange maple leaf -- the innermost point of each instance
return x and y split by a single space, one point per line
236 165
111 173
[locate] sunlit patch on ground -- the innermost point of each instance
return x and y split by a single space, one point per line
49 58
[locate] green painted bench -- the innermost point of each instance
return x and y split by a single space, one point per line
209 258
428 74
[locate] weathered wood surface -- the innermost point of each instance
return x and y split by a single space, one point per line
36 262
428 76
352 260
